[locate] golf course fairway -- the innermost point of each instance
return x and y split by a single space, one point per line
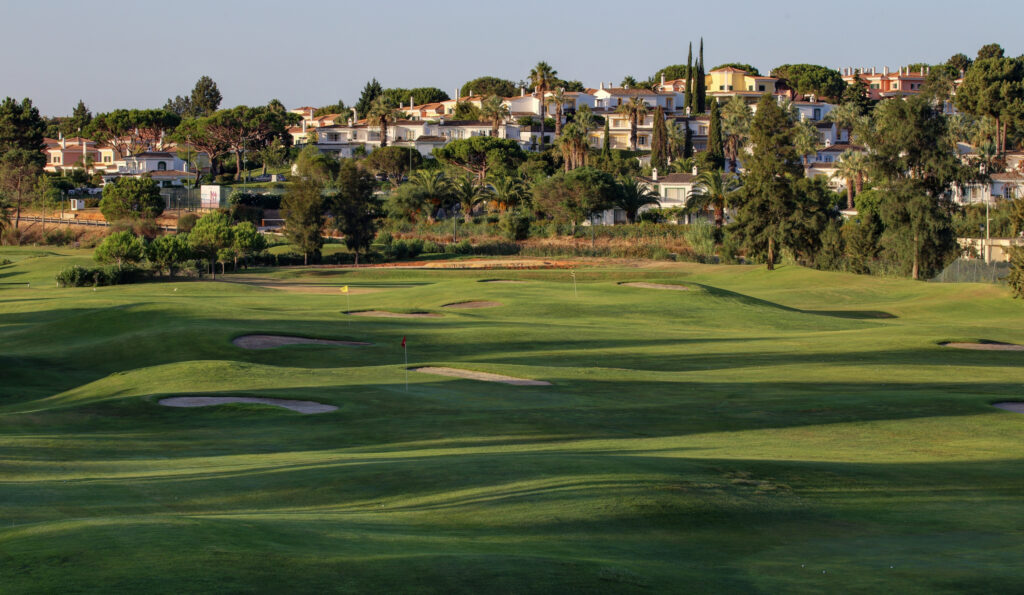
787 431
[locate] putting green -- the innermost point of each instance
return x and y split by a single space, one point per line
786 431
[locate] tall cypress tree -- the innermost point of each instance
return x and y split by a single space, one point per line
659 141
701 83
688 98
716 151
687 142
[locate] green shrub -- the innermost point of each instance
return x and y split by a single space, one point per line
59 237
1016 277
78 276
515 226
186 222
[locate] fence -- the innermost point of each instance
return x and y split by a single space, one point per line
974 270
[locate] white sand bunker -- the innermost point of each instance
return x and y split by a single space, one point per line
1014 406
386 314
306 407
470 305
484 376
657 286
272 341
985 346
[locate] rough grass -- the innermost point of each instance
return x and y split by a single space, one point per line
793 431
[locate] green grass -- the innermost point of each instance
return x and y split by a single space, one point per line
793 431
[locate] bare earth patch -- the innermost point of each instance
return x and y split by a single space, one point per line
272 341
657 286
1014 406
306 407
385 314
985 346
483 376
470 305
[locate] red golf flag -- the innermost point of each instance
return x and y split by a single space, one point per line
403 341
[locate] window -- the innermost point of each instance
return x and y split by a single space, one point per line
161 166
642 139
56 159
760 87
721 87
874 85
817 114
107 159
750 87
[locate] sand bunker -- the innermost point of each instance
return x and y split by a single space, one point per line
484 376
306 407
1014 406
985 346
385 314
272 341
470 305
657 286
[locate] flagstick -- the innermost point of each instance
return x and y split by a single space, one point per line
348 307
574 294
406 349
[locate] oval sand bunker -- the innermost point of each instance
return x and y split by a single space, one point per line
385 314
1014 406
306 407
985 346
657 286
272 341
470 305
483 376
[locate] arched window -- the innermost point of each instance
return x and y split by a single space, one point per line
161 166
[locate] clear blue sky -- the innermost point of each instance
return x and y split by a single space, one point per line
314 52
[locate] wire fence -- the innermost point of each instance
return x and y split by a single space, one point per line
973 270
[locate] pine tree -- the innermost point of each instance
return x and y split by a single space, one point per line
371 91
659 141
688 97
700 102
769 214
716 151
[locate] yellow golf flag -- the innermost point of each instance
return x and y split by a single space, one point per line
344 289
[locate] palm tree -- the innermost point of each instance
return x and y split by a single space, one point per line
542 76
631 195
557 99
468 195
507 191
852 167
736 118
636 110
436 188
494 110
805 140
683 165
713 190
675 134
573 143
381 114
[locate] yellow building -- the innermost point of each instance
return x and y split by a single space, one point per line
727 82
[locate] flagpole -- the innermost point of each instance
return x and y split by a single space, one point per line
348 307
406 349
574 294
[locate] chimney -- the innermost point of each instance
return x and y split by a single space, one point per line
922 71
663 78
602 84
872 70
654 174
355 116
411 100
885 71
694 170
522 91
63 142
303 126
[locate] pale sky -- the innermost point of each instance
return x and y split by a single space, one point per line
314 52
